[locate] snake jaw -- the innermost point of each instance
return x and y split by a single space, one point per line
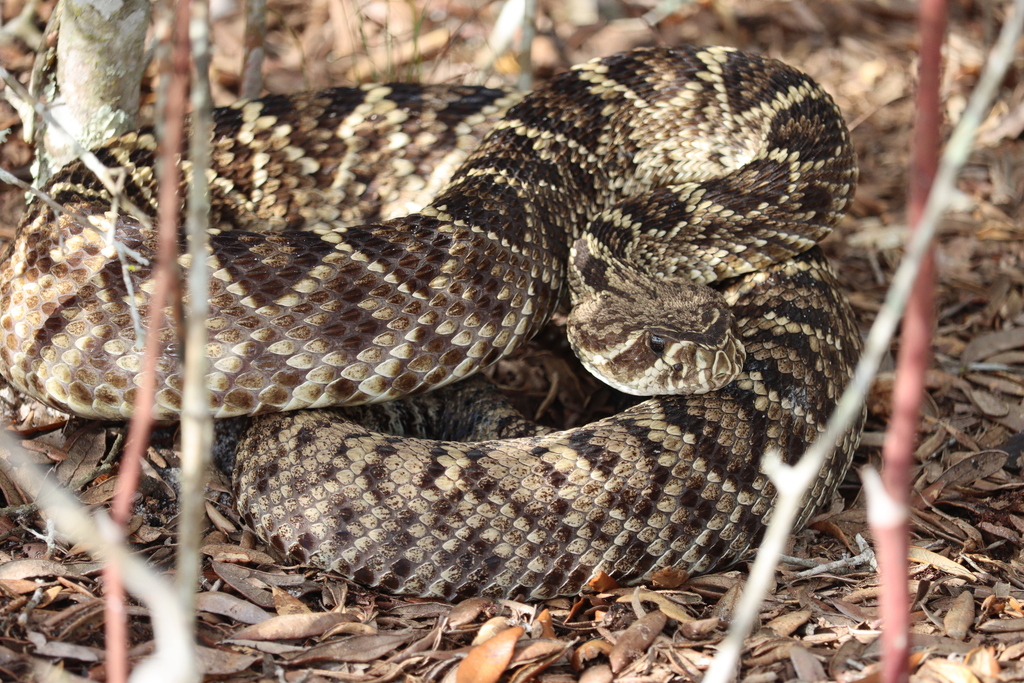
680 341
644 334
684 368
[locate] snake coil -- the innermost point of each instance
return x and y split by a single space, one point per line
711 170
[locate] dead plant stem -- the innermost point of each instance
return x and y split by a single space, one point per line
196 421
914 355
165 280
723 668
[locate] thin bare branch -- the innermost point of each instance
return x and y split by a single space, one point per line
255 37
165 278
196 421
723 667
914 356
103 540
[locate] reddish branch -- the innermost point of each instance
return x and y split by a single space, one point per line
914 355
165 282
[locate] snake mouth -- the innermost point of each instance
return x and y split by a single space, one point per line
657 337
666 367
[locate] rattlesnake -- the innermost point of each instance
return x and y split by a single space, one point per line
701 166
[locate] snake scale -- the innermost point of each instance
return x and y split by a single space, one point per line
367 246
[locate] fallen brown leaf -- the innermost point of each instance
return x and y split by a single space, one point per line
285 603
349 628
671 609
669 577
468 610
28 569
915 554
486 662
985 345
18 586
292 626
988 403
982 661
223 661
599 673
785 624
601 582
945 671
546 628
588 650
960 617
224 552
1002 625
55 648
698 628
725 606
490 628
537 649
972 468
236 576
807 666
229 606
354 649
634 640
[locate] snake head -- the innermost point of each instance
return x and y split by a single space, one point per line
647 335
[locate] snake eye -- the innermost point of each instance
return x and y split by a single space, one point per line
656 343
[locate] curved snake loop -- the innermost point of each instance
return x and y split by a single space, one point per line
714 171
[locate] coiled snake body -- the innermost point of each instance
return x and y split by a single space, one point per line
696 165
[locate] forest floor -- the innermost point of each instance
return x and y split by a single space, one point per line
966 580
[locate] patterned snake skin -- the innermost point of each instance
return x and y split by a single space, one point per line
698 165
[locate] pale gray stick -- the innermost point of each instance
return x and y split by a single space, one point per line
196 421
100 536
792 482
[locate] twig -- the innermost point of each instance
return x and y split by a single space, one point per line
165 277
722 669
865 557
891 530
167 251
196 422
798 561
101 537
255 37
